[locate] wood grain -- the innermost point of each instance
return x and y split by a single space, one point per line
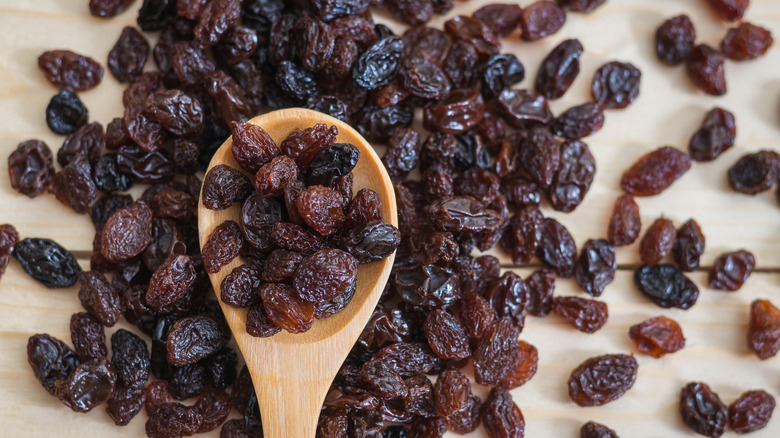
292 373
666 112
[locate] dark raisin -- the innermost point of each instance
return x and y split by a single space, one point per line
447 338
230 99
372 241
99 297
238 45
47 262
460 65
496 352
108 8
195 337
462 213
751 411
730 10
379 63
688 245
574 176
331 163
128 56
541 19
657 242
305 144
87 386
755 173
674 40
502 18
88 336
30 168
615 85
541 285
87 140
706 68
591 429
107 177
501 416
280 266
239 288
70 71
403 152
223 186
156 14
479 34
522 236
702 411
557 248
325 275
258 324
125 403
127 232
524 367
176 111
507 296
222 246
215 19
625 222
596 266
320 208
51 360
579 121
763 335
655 172
424 79
455 114
257 217
65 113
666 286
171 280
130 359
602 379
285 309
715 135
657 336
74 185
731 270
559 68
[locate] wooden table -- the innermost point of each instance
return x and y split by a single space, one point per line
667 111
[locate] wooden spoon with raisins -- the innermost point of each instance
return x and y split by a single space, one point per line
297 262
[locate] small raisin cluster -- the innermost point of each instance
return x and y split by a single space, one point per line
705 414
300 227
675 43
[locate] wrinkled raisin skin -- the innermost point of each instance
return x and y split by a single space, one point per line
666 286
751 411
600 380
657 336
655 172
702 411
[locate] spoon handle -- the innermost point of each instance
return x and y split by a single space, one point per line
290 406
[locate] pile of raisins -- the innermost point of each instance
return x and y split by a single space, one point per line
488 156
300 227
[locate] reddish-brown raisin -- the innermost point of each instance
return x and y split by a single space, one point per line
751 411
764 329
655 172
602 379
657 336
702 411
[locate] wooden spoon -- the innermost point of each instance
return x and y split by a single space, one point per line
292 373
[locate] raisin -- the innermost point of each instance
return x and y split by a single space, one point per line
87 140
237 428
30 168
625 222
522 236
127 232
176 111
764 329
131 359
304 145
715 135
746 41
372 241
258 324
330 105
447 338
107 177
731 270
99 298
460 65
455 114
230 99
237 45
657 336
502 18
574 176
674 40
666 286
476 315
88 337
462 213
755 173
377 124
125 403
105 207
591 429
579 121
156 14
582 6
223 186
540 155
615 85
51 360
557 248
559 68
501 416
451 392
331 163
596 266
702 411
74 185
70 71
171 280
65 113
403 153
657 242
655 172
285 309
541 285
585 315
274 176
730 10
688 245
281 265
602 379
47 262
706 68
507 297
222 247
215 19
751 411
496 352
87 386
429 428
467 419
541 19
128 56
320 208
325 275
167 239
195 337
222 368
172 419
239 288
108 8
524 367
474 31
379 63
214 407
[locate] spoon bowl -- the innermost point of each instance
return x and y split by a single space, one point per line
293 372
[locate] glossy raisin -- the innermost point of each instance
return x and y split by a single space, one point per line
51 360
657 336
223 186
47 262
502 18
108 8
596 266
706 68
171 280
557 248
524 368
746 41
715 135
666 286
155 14
655 172
751 411
496 352
305 144
615 85
755 173
125 403
130 358
30 168
559 68
331 163
222 247
99 297
591 429
688 245
239 288
579 121
70 71
320 208
457 113
625 222
325 275
541 19
258 324
730 10
65 113
280 266
764 329
702 411
127 232
674 40
128 56
285 309
74 185
585 315
501 416
729 271
195 337
87 386
379 63
602 379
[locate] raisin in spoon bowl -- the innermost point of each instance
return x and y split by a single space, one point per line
293 372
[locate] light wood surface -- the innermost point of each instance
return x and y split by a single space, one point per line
292 373
667 111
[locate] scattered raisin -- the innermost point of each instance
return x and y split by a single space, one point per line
731 270
666 286
657 336
702 411
602 379
674 40
764 329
